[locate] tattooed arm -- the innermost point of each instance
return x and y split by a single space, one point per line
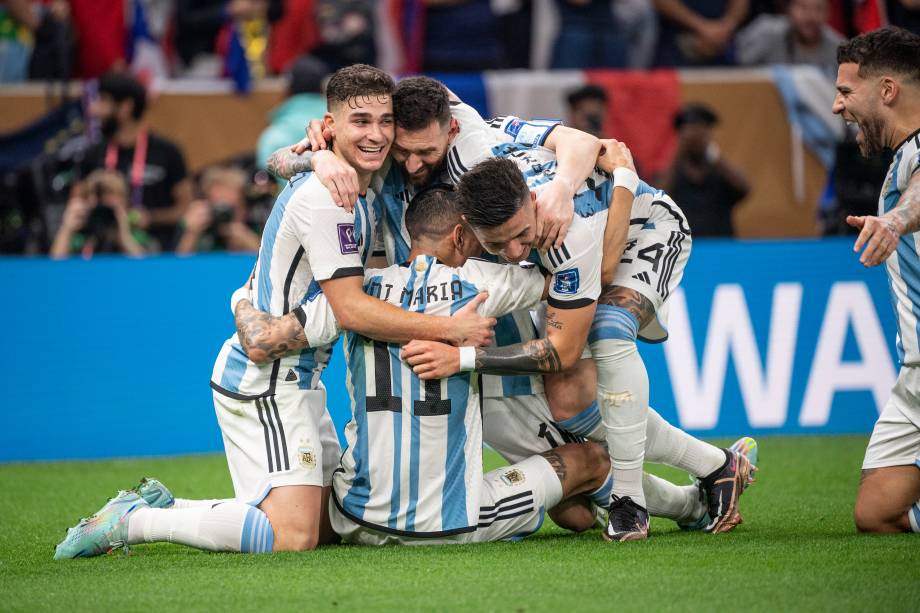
566 334
880 235
284 164
338 177
264 337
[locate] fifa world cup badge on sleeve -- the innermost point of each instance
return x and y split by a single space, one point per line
347 242
566 282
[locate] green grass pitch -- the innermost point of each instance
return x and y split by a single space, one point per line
796 550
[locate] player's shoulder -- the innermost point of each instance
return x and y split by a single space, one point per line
308 190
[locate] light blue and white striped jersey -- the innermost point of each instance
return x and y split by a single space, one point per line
576 265
307 239
413 465
904 264
476 141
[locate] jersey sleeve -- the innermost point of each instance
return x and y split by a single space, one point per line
319 324
511 287
576 269
533 132
474 143
326 232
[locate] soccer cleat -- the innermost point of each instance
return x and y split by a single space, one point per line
155 493
746 446
723 489
104 532
626 521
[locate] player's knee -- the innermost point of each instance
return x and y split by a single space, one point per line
295 538
598 461
871 518
616 326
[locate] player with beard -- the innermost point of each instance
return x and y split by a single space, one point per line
878 91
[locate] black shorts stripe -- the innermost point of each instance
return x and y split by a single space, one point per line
675 244
503 517
504 500
271 426
268 445
284 451
676 214
506 508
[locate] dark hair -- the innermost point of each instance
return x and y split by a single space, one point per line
586 92
418 101
492 192
695 114
357 80
120 87
885 50
433 212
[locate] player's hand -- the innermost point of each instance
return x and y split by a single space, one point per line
318 138
432 360
555 210
338 177
613 155
468 327
878 235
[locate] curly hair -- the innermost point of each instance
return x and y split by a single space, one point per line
357 80
885 50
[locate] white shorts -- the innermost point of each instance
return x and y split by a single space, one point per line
653 264
513 502
518 427
895 439
285 439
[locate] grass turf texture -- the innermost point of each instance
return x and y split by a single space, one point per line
797 549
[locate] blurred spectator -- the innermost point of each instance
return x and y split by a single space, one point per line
346 30
295 34
705 186
52 56
588 109
460 36
589 36
904 14
852 17
96 219
698 32
153 166
18 20
304 102
515 25
639 24
218 221
209 33
801 36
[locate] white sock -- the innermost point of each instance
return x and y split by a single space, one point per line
913 515
187 503
680 503
623 396
229 526
666 444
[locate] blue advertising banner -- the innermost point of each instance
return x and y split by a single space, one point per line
112 357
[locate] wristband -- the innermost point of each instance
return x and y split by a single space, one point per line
626 178
240 294
467 359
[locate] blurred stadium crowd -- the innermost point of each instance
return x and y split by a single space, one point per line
115 186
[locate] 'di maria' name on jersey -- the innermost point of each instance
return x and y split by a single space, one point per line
410 296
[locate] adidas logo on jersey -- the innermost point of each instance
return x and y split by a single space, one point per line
642 276
291 375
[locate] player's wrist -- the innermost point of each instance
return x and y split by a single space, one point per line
626 178
467 359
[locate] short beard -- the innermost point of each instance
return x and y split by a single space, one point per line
872 144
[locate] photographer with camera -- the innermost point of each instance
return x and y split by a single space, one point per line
218 221
96 219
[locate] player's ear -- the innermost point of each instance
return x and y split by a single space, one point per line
329 122
890 90
453 131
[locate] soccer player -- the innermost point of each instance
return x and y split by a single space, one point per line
498 204
280 444
878 91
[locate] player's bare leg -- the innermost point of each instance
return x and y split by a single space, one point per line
888 500
580 467
576 514
298 516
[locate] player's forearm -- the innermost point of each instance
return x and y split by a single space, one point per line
616 232
906 214
576 155
381 321
284 164
264 337
533 357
